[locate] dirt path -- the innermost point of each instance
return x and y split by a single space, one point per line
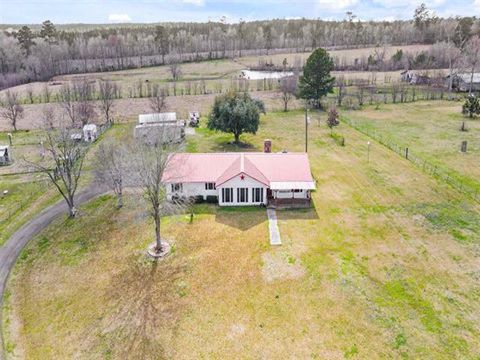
12 248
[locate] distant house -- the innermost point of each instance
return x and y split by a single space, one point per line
461 81
90 133
239 179
5 155
414 78
150 126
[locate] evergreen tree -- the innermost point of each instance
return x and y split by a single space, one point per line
49 32
471 106
25 39
316 81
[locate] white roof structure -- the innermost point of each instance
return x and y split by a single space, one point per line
3 149
467 77
301 185
90 127
169 117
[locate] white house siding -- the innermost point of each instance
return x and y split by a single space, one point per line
248 183
190 189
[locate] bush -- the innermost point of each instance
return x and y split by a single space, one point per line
212 199
199 199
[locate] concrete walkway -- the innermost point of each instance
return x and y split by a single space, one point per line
273 227
12 248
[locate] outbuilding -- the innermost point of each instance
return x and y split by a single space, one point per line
5 155
90 133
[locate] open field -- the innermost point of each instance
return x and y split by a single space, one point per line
430 131
215 73
384 266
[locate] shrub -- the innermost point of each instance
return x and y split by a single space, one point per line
212 199
199 199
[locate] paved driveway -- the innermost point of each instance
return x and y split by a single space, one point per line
12 248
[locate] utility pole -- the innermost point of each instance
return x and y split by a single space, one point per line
368 151
306 129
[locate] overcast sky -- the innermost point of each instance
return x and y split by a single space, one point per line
110 11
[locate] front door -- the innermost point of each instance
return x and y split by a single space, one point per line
269 194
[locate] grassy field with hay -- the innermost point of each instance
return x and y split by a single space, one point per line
431 130
384 265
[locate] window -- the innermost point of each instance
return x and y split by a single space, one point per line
242 195
209 186
177 187
257 195
227 195
297 190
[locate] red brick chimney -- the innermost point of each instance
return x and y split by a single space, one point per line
267 146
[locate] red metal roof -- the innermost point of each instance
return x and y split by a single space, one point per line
221 167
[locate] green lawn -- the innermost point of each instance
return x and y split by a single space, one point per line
431 130
385 265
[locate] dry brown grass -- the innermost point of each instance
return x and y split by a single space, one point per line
376 270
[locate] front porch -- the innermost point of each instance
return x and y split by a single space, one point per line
288 203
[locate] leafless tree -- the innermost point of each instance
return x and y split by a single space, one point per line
48 117
148 165
107 95
63 163
472 58
288 89
157 99
68 99
111 167
85 109
29 90
175 71
46 93
11 109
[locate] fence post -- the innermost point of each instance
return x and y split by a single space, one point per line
406 153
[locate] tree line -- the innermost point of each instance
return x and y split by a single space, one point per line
36 54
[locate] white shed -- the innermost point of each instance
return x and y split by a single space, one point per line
157 118
90 132
5 155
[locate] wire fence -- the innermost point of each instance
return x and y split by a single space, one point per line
408 154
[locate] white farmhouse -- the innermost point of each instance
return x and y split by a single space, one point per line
90 133
238 179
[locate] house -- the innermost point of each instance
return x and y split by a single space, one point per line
5 155
166 125
461 81
239 179
90 133
414 78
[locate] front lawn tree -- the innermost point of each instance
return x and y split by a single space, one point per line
316 81
471 106
236 113
147 167
62 163
107 93
111 167
288 89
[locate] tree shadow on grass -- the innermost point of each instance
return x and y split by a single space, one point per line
143 304
230 146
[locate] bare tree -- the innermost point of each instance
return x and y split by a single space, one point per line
63 164
176 73
85 109
472 58
149 162
48 117
11 109
107 95
288 89
68 99
157 99
111 167
29 90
